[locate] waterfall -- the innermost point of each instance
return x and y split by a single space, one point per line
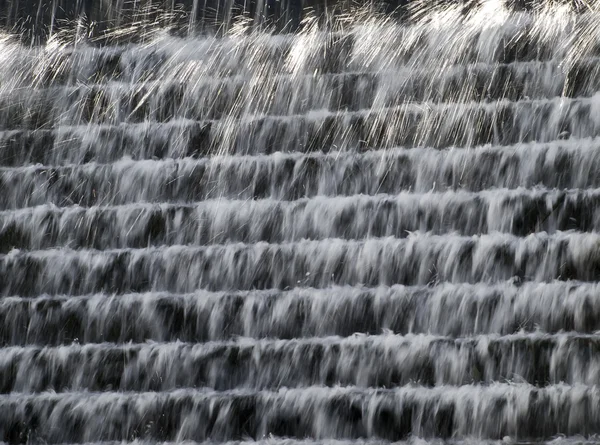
299 222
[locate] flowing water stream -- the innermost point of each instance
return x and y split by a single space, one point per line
374 228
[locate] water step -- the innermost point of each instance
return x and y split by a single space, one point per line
417 260
488 412
446 309
544 34
414 124
385 361
198 98
293 176
519 211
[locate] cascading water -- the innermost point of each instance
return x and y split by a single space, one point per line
371 228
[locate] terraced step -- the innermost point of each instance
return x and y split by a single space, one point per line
520 212
491 412
104 144
386 361
293 176
414 124
418 259
283 95
446 309
454 38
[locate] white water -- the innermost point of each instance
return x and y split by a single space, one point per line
366 231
